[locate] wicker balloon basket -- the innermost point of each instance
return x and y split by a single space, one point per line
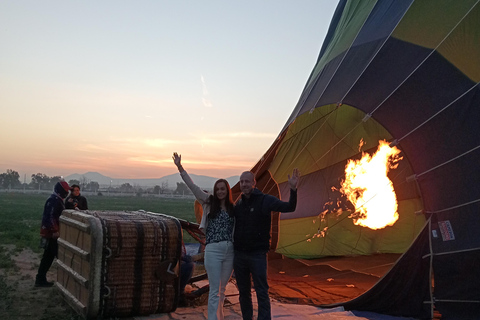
119 263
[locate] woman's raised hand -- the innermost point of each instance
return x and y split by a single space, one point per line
177 159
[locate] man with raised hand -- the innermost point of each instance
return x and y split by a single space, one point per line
252 240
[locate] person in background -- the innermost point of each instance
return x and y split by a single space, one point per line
75 200
217 225
252 241
50 231
198 209
186 272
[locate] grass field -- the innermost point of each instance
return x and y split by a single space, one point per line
20 219
21 214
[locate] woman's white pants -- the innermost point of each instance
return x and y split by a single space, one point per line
219 265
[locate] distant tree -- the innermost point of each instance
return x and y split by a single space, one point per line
53 180
164 187
182 188
92 186
39 181
14 177
74 181
10 179
136 188
83 182
156 190
126 187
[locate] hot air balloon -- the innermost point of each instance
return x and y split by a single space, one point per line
404 74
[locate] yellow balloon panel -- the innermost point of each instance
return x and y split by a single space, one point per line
337 235
452 28
323 137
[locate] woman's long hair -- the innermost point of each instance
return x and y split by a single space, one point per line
215 202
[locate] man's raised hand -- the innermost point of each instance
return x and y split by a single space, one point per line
294 179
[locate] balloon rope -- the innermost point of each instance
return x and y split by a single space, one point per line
336 69
272 150
318 76
312 137
373 57
439 111
446 162
452 252
455 207
340 220
428 56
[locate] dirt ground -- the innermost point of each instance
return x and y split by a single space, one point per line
328 283
25 302
22 301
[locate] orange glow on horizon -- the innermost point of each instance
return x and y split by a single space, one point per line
124 167
136 157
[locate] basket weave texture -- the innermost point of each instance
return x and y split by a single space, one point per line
141 271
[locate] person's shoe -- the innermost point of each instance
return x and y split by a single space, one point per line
43 284
182 301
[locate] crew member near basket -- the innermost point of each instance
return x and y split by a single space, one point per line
75 200
50 231
252 241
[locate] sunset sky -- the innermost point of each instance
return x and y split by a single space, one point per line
117 86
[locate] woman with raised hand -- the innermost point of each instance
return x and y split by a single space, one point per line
217 225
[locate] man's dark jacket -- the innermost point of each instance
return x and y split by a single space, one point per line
52 210
73 202
253 219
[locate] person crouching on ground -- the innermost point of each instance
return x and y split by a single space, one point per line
75 200
50 231
217 224
252 241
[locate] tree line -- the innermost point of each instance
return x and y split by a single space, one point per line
11 180
40 181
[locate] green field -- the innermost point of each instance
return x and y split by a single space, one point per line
20 219
21 214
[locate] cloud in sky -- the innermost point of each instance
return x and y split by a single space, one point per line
205 94
251 135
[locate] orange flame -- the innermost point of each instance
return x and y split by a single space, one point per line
368 188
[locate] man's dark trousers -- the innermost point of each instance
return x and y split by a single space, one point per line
254 263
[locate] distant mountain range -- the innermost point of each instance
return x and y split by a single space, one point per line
104 181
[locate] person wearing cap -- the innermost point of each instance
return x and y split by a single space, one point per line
75 200
50 231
